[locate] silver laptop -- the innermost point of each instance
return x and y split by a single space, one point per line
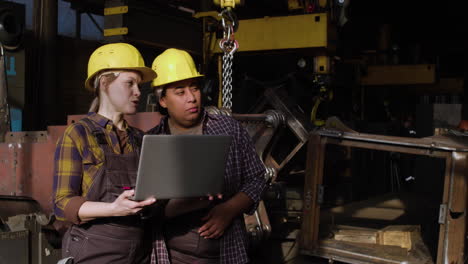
181 166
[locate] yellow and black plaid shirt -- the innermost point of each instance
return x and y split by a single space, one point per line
78 158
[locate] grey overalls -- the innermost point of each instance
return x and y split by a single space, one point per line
111 239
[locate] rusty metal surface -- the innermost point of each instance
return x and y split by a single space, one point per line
26 169
26 137
26 162
455 219
14 205
443 215
313 178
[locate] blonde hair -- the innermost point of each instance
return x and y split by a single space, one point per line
110 76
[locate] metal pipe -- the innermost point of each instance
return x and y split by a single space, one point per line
250 117
95 22
4 109
46 13
391 140
78 24
271 117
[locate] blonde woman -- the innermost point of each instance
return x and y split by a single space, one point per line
96 163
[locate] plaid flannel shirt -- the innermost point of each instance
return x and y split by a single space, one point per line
78 158
244 173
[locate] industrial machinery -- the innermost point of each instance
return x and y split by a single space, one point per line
27 156
28 228
276 75
402 221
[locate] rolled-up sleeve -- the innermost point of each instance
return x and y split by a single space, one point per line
68 173
253 171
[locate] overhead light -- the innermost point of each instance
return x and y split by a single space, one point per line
301 63
185 9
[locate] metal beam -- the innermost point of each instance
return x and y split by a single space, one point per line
45 31
4 108
154 26
95 22
399 74
279 33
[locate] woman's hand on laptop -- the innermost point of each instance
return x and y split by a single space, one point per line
123 206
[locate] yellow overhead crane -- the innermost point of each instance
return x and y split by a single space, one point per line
228 3
308 31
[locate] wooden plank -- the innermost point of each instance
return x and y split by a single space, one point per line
368 236
445 199
454 151
369 253
313 178
404 236
399 235
456 215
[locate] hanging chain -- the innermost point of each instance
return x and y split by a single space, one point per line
227 80
228 45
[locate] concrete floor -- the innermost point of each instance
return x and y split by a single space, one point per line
283 252
300 259
307 260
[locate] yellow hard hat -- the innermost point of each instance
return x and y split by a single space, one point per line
117 56
174 65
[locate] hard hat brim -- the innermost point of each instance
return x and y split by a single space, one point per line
147 75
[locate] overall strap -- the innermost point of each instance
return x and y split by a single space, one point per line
97 133
134 139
